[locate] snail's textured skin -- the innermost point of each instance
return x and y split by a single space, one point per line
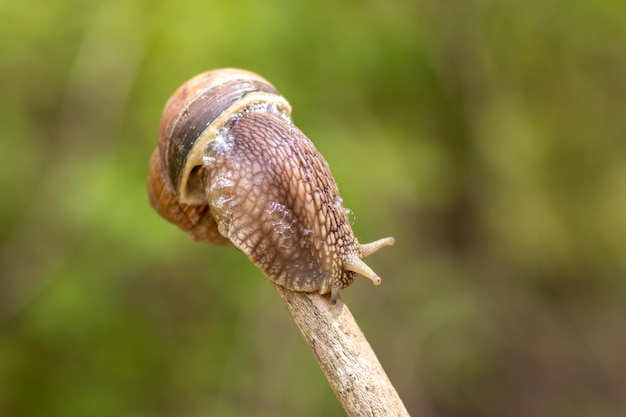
231 167
281 205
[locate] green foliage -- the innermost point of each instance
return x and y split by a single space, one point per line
487 136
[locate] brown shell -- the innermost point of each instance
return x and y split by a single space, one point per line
196 220
193 106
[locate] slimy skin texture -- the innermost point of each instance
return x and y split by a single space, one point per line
280 205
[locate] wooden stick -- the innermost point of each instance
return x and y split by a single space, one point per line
343 353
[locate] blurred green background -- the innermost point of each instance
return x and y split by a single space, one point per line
488 137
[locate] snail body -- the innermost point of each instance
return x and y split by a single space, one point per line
232 167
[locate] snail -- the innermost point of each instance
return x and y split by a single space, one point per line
231 167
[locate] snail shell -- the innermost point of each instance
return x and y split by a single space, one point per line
231 167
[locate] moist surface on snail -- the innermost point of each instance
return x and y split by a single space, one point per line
273 196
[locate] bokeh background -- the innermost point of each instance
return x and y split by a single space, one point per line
488 137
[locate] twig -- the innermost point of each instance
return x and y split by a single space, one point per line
343 353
